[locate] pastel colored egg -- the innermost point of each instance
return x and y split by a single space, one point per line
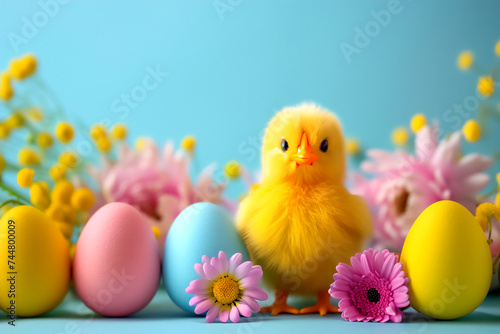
201 229
117 263
35 263
448 261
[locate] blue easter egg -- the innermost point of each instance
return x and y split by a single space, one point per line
201 229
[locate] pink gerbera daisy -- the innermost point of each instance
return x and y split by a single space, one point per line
227 288
374 288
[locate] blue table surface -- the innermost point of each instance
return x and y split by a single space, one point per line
163 316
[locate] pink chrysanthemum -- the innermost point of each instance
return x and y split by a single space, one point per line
404 185
227 288
158 183
374 288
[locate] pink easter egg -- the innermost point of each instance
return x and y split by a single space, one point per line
117 265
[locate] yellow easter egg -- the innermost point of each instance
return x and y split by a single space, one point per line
448 261
34 263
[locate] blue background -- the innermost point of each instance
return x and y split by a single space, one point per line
230 73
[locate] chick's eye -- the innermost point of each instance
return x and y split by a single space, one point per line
324 146
284 145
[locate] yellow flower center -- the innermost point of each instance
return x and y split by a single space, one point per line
226 290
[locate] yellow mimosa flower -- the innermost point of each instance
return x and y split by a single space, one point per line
97 132
232 170
65 132
15 120
34 114
57 172
471 131
352 146
119 131
39 195
25 177
23 67
486 86
465 60
82 200
44 140
62 192
4 131
188 143
104 145
6 90
68 159
27 156
400 136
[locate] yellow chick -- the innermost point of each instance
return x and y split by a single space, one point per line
301 221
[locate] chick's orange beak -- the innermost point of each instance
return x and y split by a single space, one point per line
304 155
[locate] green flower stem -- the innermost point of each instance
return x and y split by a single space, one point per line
12 167
490 228
495 263
491 193
13 193
496 155
478 69
44 87
31 128
11 201
9 107
489 231
494 73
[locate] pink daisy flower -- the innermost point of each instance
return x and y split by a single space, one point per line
374 288
227 288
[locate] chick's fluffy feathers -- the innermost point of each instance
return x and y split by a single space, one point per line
299 228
